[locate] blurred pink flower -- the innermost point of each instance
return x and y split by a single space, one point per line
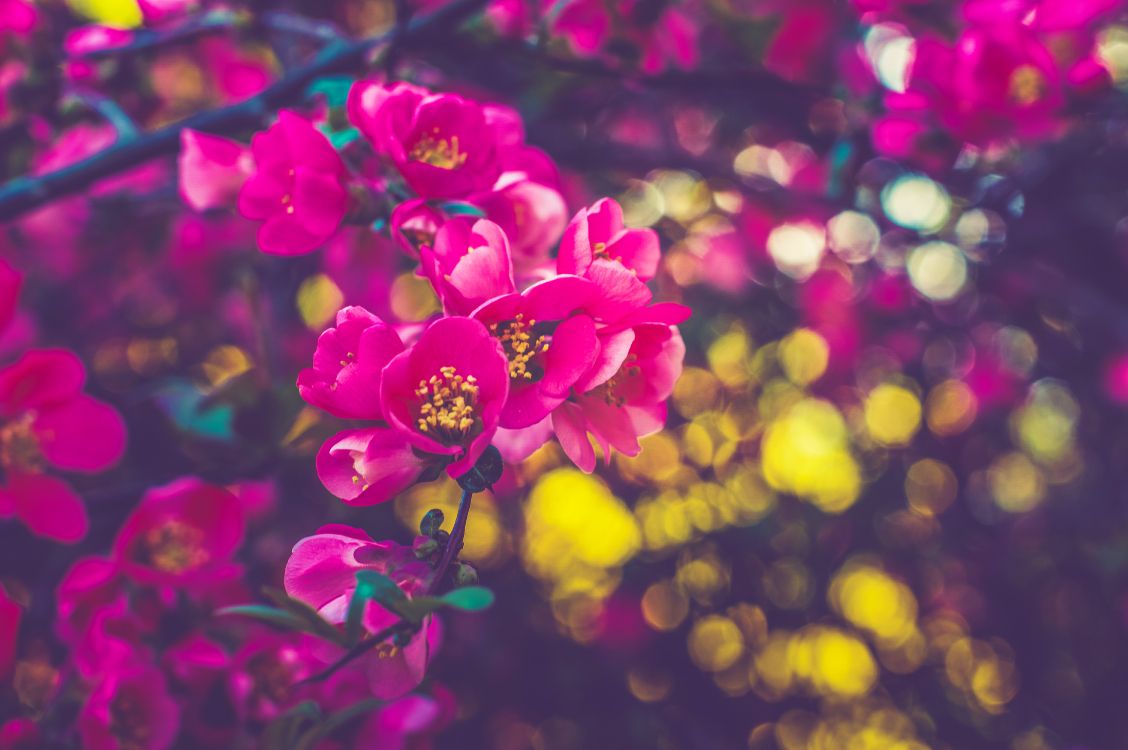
296 189
180 534
130 709
47 421
10 614
212 170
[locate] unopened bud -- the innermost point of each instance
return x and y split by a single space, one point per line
465 575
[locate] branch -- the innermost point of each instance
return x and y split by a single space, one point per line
454 542
23 194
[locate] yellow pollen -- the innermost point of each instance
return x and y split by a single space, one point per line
608 389
438 152
19 446
447 406
1027 84
174 547
519 345
387 650
129 722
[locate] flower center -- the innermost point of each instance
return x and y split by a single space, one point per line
438 152
174 547
447 406
19 445
128 722
520 345
1027 84
271 676
387 650
611 391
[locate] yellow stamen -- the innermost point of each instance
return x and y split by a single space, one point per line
174 547
19 445
447 410
438 152
519 344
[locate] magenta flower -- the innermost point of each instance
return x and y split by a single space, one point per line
322 572
90 585
468 264
264 672
296 189
622 396
394 726
598 246
180 534
445 394
414 223
368 466
10 614
548 345
47 421
212 170
345 377
130 709
531 214
17 17
441 144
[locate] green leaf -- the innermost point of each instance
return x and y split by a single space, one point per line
469 598
342 138
414 610
458 208
312 622
335 89
335 721
431 523
271 616
282 733
384 589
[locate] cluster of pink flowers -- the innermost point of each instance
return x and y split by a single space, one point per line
526 348
1012 72
143 652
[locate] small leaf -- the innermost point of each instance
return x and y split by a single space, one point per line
271 616
384 589
469 598
458 208
314 623
431 523
335 89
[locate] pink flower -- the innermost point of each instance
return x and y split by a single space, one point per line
414 223
531 214
549 346
468 264
10 614
157 12
322 572
296 189
322 568
180 534
585 24
445 394
394 725
598 246
46 420
212 170
17 17
130 709
441 144
622 397
90 585
345 377
368 466
264 672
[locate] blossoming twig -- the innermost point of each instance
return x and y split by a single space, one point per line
454 543
25 193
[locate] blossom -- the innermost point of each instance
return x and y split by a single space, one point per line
130 709
264 672
530 213
179 534
414 223
622 396
468 264
345 377
322 572
296 189
549 345
212 170
598 246
445 394
368 466
440 143
89 585
393 726
47 421
17 16
10 614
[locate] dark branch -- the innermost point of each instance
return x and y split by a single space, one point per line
26 193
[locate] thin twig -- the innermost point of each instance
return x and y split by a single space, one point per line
25 193
454 541
357 651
